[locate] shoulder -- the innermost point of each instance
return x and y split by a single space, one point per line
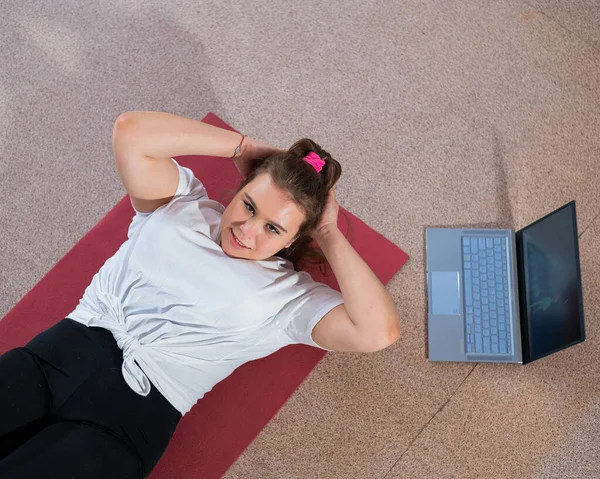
189 185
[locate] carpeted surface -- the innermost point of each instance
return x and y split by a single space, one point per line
442 113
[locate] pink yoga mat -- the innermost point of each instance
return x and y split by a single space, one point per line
221 426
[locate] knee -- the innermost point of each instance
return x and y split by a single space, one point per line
19 356
21 362
22 379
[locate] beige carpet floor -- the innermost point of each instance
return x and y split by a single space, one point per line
442 113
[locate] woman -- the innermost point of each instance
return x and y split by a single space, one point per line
196 291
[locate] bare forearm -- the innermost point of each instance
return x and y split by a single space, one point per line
164 135
368 304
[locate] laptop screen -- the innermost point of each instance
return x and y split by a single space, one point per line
551 295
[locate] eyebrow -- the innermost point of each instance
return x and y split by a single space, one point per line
249 198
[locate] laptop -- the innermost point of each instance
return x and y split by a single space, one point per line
504 297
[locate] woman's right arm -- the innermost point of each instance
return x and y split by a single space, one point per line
144 143
164 135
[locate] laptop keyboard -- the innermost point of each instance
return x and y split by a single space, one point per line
486 295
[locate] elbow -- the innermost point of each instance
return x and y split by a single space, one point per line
393 333
123 120
384 339
122 132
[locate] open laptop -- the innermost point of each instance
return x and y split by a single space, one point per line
500 296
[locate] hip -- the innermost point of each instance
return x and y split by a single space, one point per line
82 366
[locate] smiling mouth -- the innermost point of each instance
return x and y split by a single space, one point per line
242 245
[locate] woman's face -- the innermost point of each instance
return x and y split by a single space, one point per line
260 221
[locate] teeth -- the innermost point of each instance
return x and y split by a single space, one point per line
237 241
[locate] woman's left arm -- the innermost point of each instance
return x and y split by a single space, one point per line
368 320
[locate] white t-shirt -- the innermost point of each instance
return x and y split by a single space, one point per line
184 313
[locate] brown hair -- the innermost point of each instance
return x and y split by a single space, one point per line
307 188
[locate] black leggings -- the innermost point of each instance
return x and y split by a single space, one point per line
66 411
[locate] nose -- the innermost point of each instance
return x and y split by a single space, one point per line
249 228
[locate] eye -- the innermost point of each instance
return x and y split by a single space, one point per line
272 229
249 207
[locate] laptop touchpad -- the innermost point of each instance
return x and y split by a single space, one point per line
445 299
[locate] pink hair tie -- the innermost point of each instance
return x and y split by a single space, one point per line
315 161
